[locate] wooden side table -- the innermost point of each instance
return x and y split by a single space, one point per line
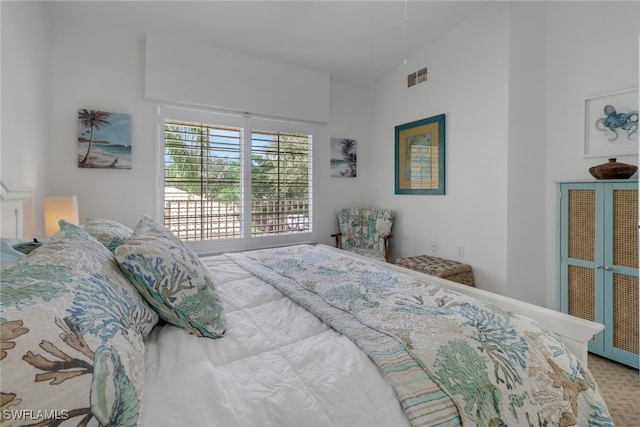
440 267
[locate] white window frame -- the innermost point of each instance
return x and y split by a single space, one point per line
246 122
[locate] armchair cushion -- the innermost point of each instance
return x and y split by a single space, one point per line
365 231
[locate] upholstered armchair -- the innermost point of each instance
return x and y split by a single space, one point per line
365 231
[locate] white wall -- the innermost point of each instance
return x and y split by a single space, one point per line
350 116
526 167
102 66
591 49
26 105
468 82
231 80
504 149
99 65
512 81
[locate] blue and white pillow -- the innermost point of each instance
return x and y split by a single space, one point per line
73 331
7 252
172 279
108 232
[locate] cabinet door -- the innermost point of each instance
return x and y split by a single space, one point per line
598 273
581 282
621 272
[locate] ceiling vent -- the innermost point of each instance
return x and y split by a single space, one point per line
418 77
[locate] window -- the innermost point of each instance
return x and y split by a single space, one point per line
280 178
234 182
202 180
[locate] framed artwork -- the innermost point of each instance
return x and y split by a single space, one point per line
419 155
104 139
611 124
343 157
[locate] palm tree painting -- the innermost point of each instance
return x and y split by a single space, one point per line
104 139
343 157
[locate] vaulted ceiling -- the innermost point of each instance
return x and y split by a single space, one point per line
356 42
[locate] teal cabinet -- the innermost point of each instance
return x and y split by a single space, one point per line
598 262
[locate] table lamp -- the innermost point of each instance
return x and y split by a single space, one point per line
57 208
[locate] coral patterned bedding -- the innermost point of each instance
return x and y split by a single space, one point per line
277 365
291 336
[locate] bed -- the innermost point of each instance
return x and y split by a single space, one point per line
107 325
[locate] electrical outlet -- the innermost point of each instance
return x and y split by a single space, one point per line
434 246
461 251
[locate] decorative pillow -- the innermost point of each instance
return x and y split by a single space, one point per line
172 279
7 252
27 247
108 232
72 330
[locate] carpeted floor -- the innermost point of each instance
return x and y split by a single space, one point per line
620 387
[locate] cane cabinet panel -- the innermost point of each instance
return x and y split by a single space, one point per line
598 262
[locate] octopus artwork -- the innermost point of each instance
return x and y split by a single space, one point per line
613 121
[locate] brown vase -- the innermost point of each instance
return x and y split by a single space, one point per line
613 170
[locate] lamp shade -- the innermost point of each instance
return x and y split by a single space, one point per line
57 208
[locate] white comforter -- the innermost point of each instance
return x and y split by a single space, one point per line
277 365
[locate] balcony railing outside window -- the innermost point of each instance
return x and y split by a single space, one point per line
195 220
